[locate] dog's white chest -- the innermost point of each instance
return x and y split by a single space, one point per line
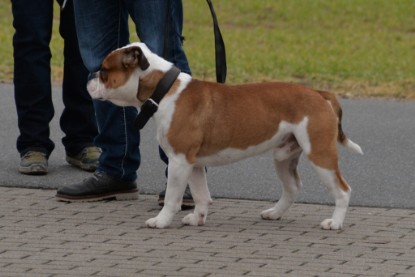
164 116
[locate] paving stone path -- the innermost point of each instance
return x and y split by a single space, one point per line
42 237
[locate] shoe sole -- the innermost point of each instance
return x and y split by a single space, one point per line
33 170
81 165
119 196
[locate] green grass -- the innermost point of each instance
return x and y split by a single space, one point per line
360 48
6 34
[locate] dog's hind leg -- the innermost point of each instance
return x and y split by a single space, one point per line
201 196
179 171
323 156
341 193
286 161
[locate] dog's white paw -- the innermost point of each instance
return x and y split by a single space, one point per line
194 219
330 224
271 214
156 222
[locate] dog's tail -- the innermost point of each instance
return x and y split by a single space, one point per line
341 137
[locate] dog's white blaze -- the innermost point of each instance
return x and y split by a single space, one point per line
156 63
231 155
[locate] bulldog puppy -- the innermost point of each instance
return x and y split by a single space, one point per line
203 124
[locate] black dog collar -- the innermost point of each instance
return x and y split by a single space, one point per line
150 106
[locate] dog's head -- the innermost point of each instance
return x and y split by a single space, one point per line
128 75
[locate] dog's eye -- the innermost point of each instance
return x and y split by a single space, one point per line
103 75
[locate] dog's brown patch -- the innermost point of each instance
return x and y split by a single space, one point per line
113 73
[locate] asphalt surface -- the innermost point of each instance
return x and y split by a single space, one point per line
383 177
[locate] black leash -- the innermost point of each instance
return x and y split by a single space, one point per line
220 53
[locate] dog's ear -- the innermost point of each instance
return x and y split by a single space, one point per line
133 56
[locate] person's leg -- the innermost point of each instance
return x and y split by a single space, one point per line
77 101
159 25
102 26
174 49
32 21
164 35
101 30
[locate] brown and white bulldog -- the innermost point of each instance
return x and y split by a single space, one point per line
203 123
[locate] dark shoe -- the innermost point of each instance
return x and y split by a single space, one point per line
187 202
34 163
87 159
99 186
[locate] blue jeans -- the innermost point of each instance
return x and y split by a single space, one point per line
102 26
32 21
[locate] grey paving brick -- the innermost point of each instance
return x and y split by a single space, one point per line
42 237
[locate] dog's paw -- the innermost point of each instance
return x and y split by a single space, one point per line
194 219
330 224
271 214
155 222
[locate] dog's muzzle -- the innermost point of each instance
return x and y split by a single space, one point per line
94 86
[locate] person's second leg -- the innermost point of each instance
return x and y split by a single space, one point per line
159 25
101 30
79 138
32 21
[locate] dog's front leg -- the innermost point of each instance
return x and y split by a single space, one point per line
178 174
201 196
